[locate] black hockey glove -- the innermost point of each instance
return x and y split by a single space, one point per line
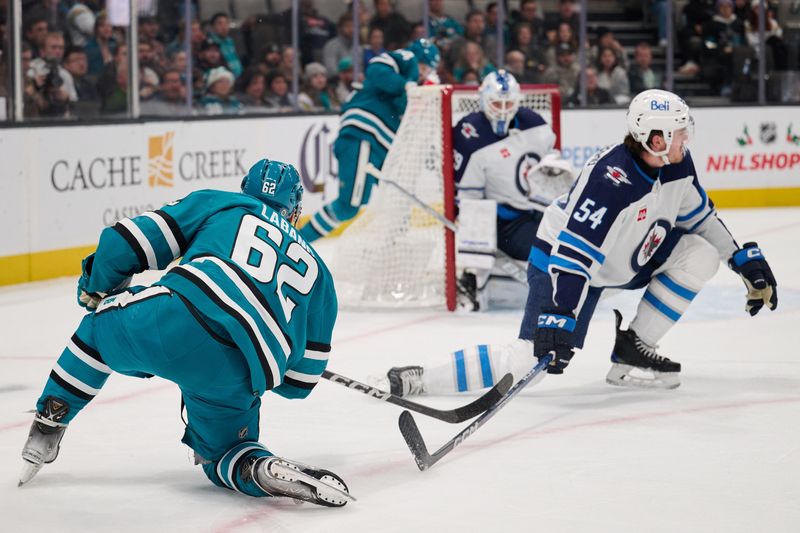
762 290
554 335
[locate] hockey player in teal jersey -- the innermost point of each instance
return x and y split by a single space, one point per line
249 309
367 126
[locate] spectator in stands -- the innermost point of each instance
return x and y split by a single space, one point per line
80 23
219 98
696 14
32 100
220 33
196 38
565 72
417 32
315 95
516 65
148 71
101 49
773 37
606 39
277 97
742 9
374 45
53 12
471 78
177 61
286 66
250 89
721 35
641 75
210 56
149 33
473 32
566 13
658 9
595 95
340 46
529 14
471 58
534 55
396 29
344 80
442 28
491 30
612 77
76 63
564 35
113 83
35 32
270 58
170 100
315 30
53 82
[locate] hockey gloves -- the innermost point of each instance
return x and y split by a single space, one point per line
762 290
554 335
89 300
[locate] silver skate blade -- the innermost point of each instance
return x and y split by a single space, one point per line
29 470
629 376
278 469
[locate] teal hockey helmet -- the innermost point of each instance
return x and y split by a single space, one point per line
426 52
278 185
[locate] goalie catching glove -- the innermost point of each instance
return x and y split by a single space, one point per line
762 289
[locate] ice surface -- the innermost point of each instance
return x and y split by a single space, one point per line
720 453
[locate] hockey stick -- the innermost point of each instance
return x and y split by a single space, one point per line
410 431
453 416
506 263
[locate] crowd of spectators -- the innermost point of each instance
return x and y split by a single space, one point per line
75 62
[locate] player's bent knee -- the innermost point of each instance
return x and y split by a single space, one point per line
704 260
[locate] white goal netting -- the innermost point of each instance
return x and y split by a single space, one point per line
395 254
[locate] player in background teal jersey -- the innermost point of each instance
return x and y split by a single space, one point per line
250 308
367 126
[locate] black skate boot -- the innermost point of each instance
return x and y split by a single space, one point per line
44 438
636 364
467 288
406 380
281 477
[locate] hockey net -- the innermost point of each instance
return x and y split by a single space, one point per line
396 255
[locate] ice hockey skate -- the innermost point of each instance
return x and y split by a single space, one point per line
44 439
406 381
636 364
281 477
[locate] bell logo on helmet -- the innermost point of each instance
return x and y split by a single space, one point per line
655 105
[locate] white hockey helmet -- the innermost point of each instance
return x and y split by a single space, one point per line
657 110
500 98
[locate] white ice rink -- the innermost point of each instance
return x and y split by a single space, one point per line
719 454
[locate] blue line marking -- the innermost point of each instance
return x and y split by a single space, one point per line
661 307
461 371
581 245
486 365
677 288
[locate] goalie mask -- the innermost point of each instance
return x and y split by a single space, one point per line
277 185
660 111
500 98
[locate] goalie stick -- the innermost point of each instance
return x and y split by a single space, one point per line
410 431
505 262
453 416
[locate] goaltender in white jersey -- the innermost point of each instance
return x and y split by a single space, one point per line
637 217
507 172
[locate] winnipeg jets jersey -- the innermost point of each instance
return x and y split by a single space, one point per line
493 167
614 219
245 270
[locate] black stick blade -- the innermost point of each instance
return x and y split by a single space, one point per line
410 431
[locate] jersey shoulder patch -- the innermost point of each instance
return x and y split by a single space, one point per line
473 132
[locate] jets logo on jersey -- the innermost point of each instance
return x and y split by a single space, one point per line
617 176
469 131
525 166
650 244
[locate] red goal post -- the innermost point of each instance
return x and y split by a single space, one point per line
395 255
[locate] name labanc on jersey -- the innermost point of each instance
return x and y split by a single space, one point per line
484 162
616 217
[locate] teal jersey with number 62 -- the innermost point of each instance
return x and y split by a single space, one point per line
245 271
